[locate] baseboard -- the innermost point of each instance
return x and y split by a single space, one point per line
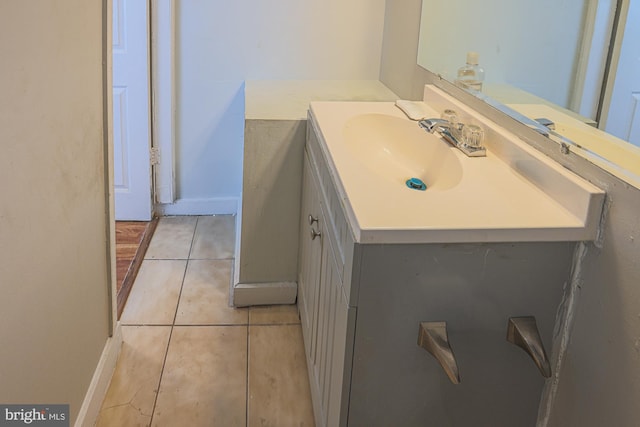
272 293
90 408
235 276
215 206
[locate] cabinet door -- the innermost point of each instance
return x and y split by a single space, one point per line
326 314
341 332
328 322
310 258
335 337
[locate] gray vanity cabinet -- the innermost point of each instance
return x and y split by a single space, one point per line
368 370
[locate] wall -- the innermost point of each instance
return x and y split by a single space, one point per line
54 270
219 45
599 381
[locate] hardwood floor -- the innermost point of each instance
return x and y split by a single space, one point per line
132 240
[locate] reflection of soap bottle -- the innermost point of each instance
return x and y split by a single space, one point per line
471 75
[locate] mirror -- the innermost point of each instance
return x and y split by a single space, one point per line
549 59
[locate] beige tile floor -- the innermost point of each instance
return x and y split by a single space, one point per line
188 359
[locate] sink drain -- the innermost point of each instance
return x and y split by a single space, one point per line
416 184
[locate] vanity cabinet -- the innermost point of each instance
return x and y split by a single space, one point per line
361 306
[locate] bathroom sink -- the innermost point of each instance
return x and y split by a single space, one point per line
397 150
515 193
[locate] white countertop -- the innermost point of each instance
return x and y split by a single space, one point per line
491 203
289 99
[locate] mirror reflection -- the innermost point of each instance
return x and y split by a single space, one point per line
574 63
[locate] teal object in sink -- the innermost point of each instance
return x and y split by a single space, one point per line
416 184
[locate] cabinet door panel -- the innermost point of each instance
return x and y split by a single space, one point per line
310 258
341 353
337 321
323 327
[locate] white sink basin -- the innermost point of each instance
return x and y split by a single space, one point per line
397 150
514 194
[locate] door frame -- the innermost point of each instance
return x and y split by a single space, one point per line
612 72
592 58
163 98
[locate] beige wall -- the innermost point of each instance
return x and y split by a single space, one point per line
54 307
599 381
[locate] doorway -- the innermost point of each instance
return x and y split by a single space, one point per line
133 192
132 110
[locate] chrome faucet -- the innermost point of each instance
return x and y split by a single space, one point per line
466 138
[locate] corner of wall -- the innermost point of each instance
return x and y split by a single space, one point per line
100 381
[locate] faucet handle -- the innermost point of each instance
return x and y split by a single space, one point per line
472 136
450 115
455 126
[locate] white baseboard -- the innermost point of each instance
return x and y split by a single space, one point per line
235 277
272 293
99 385
216 206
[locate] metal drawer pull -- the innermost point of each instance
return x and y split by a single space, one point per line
433 337
312 219
314 234
523 332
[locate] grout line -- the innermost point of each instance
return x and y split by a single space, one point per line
275 324
220 325
247 380
164 362
217 325
175 315
146 324
195 230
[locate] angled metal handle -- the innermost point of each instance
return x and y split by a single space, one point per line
523 332
433 337
315 234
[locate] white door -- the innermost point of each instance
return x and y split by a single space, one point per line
623 117
131 118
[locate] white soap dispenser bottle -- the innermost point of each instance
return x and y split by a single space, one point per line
471 75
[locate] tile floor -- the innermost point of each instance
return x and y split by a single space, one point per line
188 359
